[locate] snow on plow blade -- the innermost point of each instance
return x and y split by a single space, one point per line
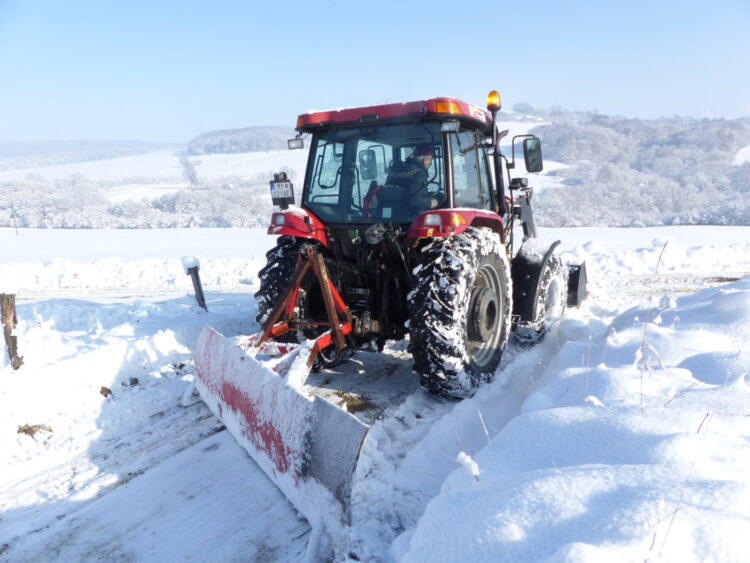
307 446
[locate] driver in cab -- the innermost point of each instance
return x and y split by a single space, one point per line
412 174
406 184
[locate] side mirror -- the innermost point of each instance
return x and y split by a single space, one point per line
532 154
368 167
294 144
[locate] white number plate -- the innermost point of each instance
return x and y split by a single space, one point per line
281 189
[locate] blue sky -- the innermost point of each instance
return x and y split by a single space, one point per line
169 70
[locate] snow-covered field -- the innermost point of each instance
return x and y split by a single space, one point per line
155 174
624 435
743 156
166 165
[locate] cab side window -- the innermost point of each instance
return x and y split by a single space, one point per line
326 182
469 189
373 159
485 185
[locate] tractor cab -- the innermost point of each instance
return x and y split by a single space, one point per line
389 164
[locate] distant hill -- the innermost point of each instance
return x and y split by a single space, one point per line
248 139
14 155
637 172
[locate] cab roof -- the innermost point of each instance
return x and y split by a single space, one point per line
445 108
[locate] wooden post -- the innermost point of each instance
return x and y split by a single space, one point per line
9 321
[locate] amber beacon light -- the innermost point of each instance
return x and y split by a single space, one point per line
493 101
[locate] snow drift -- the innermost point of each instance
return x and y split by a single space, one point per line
624 435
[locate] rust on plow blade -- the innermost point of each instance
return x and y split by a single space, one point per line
307 446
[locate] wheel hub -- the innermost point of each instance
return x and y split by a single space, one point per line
483 317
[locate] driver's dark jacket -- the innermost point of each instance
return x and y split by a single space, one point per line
409 178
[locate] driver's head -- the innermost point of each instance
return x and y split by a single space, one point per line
424 154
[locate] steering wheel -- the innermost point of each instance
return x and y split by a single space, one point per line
426 185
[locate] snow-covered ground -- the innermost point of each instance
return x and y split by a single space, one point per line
166 165
624 435
152 175
155 174
743 156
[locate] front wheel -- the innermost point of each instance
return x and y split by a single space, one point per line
540 280
460 312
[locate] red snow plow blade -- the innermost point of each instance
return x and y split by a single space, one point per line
307 446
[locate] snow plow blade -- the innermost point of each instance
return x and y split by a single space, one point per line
307 446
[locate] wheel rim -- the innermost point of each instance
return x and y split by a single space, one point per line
485 317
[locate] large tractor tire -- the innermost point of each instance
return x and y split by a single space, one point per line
540 283
276 275
460 312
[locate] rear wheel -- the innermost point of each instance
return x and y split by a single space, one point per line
541 293
459 312
275 275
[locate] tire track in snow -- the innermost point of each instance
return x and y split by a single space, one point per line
103 467
413 447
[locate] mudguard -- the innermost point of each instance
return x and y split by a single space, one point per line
526 271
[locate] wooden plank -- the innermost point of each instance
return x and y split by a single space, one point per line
9 322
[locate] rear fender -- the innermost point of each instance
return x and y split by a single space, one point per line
299 223
449 222
526 271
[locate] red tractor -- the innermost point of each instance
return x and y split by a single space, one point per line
410 210
405 228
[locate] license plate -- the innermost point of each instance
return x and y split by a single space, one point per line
281 189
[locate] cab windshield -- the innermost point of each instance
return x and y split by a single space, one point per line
389 173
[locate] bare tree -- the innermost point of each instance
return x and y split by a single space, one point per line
188 170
